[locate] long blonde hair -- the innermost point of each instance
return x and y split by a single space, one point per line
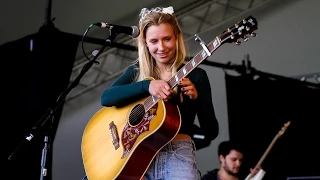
147 65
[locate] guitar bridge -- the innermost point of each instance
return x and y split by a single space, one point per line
114 135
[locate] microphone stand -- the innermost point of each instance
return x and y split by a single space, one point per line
51 111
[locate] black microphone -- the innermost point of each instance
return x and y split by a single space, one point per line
132 31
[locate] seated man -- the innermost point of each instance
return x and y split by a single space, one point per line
230 157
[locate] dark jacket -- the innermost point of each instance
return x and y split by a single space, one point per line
211 175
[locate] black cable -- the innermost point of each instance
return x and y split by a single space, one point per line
82 40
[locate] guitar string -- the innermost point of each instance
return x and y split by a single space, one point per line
186 69
193 63
152 100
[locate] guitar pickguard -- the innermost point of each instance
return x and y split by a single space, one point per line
131 134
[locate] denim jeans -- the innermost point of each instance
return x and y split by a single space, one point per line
175 161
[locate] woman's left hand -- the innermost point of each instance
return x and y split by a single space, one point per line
188 88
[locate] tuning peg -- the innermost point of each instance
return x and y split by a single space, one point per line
238 42
245 38
253 34
232 35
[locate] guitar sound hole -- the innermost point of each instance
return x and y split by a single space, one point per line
136 115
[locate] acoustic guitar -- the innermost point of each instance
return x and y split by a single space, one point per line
260 174
121 142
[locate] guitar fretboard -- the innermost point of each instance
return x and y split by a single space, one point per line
185 70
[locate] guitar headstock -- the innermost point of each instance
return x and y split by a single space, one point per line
284 128
241 30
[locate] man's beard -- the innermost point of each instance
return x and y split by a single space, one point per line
227 169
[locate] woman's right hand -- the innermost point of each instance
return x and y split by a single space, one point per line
160 89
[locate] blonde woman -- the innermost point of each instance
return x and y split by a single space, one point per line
161 53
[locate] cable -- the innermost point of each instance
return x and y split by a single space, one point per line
82 40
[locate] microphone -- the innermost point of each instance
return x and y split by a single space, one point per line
132 31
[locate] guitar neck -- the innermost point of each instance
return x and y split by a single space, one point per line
280 133
186 69
194 62
232 34
267 151
251 175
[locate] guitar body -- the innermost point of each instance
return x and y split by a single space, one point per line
115 147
